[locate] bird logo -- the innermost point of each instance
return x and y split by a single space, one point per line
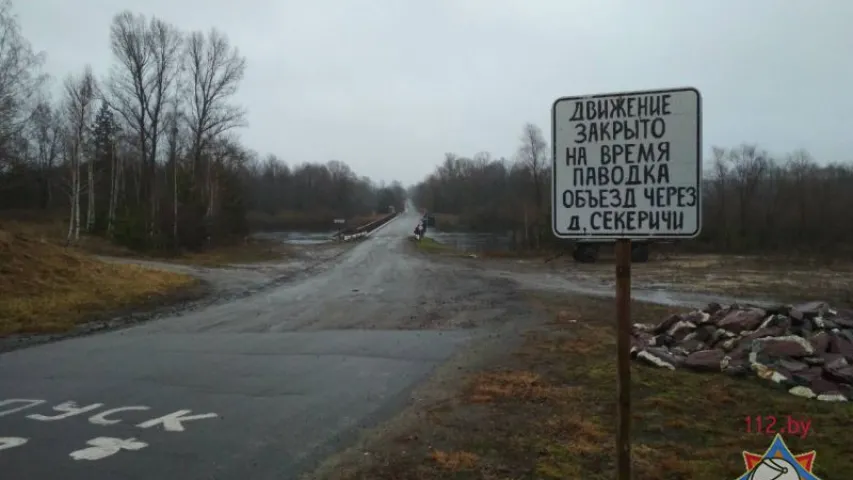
778 463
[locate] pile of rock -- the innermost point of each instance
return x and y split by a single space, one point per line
807 349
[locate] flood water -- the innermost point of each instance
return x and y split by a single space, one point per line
473 242
299 238
463 241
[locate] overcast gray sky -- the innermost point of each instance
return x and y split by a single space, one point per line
388 86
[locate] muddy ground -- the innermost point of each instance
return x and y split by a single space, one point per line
679 278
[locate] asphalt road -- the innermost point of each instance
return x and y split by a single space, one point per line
262 387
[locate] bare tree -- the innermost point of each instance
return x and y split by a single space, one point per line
80 96
45 131
148 64
215 70
20 81
533 156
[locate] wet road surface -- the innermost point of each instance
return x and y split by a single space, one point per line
262 387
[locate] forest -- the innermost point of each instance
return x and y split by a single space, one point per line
149 153
753 201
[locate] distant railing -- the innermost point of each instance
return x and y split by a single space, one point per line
360 231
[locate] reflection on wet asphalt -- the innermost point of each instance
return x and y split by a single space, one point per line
259 387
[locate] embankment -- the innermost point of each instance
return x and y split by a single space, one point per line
361 231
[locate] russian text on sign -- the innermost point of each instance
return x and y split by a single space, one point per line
627 164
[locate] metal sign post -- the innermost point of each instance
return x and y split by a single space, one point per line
627 166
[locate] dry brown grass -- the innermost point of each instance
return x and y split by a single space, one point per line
455 461
47 288
51 228
549 413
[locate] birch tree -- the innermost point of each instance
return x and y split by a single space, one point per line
80 96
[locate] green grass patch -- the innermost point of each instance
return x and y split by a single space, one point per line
429 245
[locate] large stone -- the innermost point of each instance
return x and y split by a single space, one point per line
845 333
812 309
705 334
844 318
814 360
840 374
735 366
788 346
796 315
807 349
822 386
660 357
841 345
742 320
666 324
766 332
681 329
820 341
807 376
713 308
792 366
663 340
697 317
639 343
834 360
741 350
705 360
691 345
780 321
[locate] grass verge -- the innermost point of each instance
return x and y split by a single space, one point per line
45 288
53 230
549 413
429 245
250 251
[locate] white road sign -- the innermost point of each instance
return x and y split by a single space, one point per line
627 165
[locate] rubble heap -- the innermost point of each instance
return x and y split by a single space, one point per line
807 349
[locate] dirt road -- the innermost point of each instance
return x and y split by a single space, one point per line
262 385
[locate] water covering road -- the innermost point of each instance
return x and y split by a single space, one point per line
261 387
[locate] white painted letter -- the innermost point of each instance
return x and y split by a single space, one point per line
27 404
103 447
101 418
11 442
69 408
172 421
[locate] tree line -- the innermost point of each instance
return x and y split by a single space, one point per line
150 154
753 201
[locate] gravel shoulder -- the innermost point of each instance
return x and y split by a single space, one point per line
237 279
